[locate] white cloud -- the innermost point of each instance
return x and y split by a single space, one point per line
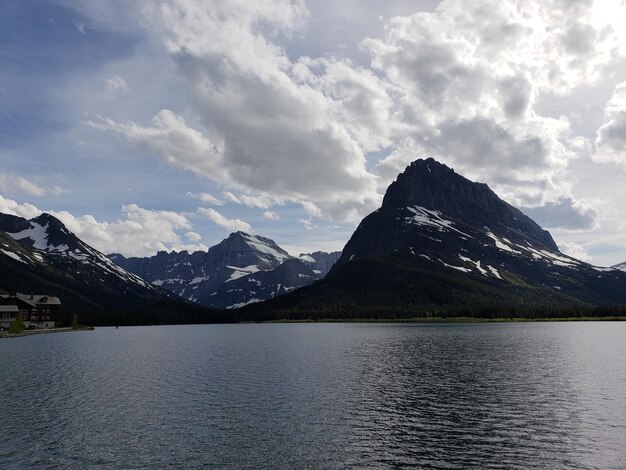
193 236
261 202
11 183
611 137
142 232
206 198
80 27
575 251
232 225
307 224
172 141
469 76
461 83
271 215
283 130
116 84
565 213
8 206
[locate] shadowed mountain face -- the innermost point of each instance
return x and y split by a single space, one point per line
432 212
240 270
43 256
441 243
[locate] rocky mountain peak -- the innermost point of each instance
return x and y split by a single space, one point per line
434 186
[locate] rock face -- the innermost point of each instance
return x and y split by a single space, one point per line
432 211
441 243
241 269
42 253
263 285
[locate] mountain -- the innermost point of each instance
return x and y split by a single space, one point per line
239 270
263 285
621 267
320 262
441 244
43 256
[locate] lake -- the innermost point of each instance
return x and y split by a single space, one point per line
346 395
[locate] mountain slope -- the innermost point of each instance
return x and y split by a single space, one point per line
41 255
241 269
441 243
262 285
621 267
320 262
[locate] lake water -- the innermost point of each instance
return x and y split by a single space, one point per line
523 395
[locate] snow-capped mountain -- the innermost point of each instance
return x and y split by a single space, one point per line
320 262
621 267
443 243
43 251
263 285
241 269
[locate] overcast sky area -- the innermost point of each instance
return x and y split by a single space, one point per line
160 125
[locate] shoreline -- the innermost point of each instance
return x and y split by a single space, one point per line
5 334
415 320
446 320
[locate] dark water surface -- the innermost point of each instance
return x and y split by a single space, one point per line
531 395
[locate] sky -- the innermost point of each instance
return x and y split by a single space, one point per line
165 125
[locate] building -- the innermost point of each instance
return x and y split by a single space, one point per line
7 315
40 311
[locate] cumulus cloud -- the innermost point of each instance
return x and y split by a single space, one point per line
288 130
460 83
611 137
26 210
565 213
575 251
141 232
232 225
469 74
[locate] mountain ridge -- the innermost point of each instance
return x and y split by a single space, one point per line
441 243
211 278
41 253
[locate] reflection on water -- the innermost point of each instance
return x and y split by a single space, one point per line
317 395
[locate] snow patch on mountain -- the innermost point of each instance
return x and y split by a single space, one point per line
423 216
475 263
500 244
12 255
458 268
243 304
38 234
241 272
262 246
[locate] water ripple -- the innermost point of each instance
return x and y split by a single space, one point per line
317 396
